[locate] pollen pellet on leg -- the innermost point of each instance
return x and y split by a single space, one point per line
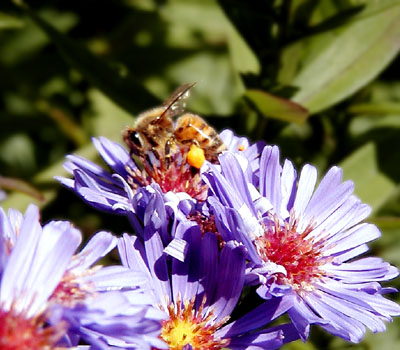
195 157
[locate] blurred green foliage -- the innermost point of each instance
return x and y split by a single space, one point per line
316 77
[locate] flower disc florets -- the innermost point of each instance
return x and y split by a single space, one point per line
172 173
300 255
186 326
19 332
71 290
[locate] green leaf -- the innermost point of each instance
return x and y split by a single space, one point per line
10 22
110 119
371 184
339 62
375 108
243 58
121 88
45 183
277 107
22 44
13 184
216 98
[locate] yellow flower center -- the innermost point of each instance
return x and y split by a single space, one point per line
181 334
188 326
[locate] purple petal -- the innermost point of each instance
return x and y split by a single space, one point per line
209 268
272 338
339 324
288 190
308 179
302 317
98 246
270 181
37 262
185 275
354 237
177 248
114 155
157 265
329 195
258 317
233 173
230 280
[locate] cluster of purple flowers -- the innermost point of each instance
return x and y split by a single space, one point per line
256 233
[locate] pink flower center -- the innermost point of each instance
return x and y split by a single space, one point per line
172 173
299 254
72 290
20 333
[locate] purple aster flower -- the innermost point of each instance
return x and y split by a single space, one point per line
243 147
198 295
113 191
155 212
45 289
32 266
302 242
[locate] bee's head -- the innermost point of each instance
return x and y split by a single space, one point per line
134 141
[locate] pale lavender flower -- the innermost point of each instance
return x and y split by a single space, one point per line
302 243
44 288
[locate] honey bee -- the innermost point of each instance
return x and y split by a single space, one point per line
192 129
155 130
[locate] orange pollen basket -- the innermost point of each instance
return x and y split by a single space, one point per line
187 326
299 255
195 156
20 333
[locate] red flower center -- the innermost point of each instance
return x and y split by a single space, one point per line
299 254
172 173
20 333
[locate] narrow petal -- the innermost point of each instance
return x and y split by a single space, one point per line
233 173
114 155
354 237
97 247
185 275
257 318
209 267
230 280
157 265
308 179
288 190
270 181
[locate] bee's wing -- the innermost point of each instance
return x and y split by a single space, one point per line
175 104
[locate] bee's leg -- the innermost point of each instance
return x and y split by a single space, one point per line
155 152
167 152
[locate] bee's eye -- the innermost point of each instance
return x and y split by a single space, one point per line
135 138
